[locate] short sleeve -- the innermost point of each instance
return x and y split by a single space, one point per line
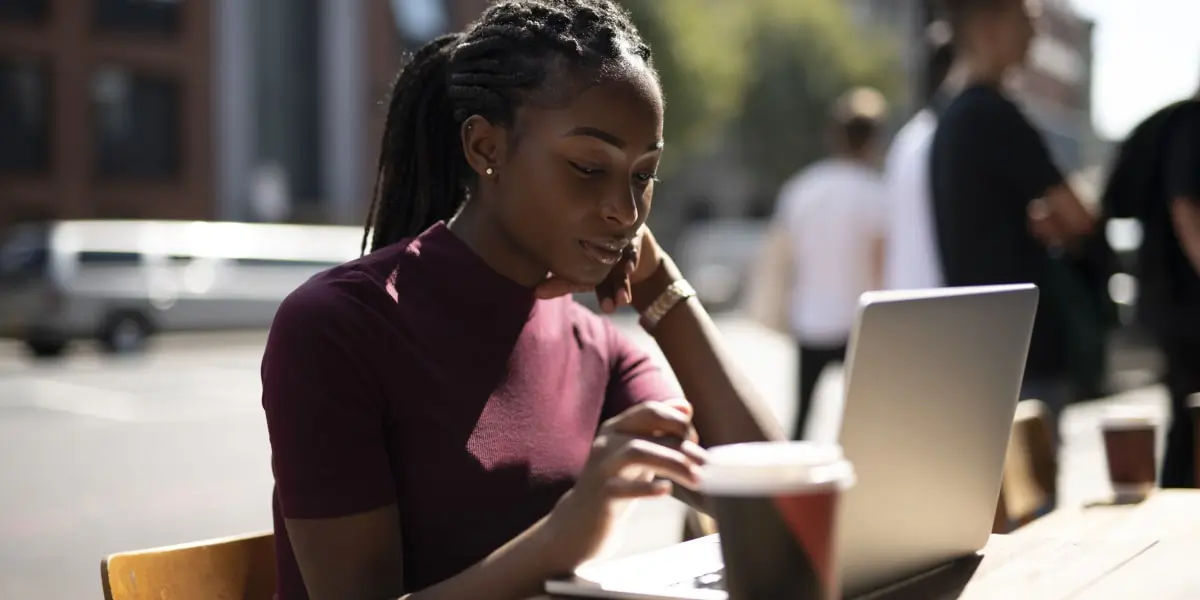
634 377
1183 158
324 407
1018 151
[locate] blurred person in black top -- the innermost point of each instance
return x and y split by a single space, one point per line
1002 209
1156 179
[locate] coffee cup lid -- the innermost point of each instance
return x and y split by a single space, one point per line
1128 416
775 467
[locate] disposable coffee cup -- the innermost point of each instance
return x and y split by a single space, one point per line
776 505
1129 437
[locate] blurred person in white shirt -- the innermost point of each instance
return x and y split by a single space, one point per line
826 244
912 260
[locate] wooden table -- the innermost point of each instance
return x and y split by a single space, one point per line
1102 552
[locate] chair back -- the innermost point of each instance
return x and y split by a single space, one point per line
1030 468
233 568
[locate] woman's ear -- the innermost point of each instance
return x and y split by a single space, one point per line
483 145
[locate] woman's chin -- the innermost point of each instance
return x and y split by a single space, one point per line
590 275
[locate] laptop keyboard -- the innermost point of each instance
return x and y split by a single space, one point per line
708 581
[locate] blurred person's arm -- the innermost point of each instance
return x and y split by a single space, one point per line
771 277
878 225
1070 220
1185 215
1183 185
1056 214
878 260
770 280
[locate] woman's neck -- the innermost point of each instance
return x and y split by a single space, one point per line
483 235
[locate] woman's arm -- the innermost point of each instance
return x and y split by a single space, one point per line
727 407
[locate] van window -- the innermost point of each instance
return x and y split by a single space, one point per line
272 262
109 258
24 253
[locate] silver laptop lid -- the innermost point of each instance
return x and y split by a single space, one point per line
932 379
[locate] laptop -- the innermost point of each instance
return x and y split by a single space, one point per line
932 382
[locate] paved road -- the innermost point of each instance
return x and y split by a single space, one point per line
99 455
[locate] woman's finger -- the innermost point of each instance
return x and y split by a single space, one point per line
608 293
619 488
680 404
650 419
663 461
695 453
653 420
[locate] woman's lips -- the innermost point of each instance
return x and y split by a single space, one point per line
607 253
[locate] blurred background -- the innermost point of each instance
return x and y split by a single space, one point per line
220 115
270 110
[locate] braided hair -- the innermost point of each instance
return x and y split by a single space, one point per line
505 59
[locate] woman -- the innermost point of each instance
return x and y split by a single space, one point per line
445 421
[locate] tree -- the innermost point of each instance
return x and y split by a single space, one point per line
696 46
805 54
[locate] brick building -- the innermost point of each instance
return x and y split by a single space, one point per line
104 108
173 108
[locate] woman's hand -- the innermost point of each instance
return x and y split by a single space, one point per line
650 440
642 258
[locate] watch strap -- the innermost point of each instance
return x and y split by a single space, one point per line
678 291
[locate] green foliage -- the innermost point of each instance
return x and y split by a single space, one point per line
763 72
696 45
806 54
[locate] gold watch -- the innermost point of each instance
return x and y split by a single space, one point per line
679 290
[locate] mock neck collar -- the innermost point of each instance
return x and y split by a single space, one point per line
463 279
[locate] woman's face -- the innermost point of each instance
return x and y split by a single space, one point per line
578 184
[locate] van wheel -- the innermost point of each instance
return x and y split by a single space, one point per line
124 333
46 347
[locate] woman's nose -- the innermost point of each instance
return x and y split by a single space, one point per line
620 208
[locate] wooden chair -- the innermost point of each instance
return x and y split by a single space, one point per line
697 525
1029 485
232 568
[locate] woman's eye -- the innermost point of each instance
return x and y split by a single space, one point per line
585 170
645 177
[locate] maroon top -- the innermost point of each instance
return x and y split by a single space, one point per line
419 376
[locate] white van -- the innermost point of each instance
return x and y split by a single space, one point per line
120 281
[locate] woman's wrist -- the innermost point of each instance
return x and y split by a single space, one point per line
645 292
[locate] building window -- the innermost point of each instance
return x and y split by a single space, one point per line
24 115
139 16
23 11
137 119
